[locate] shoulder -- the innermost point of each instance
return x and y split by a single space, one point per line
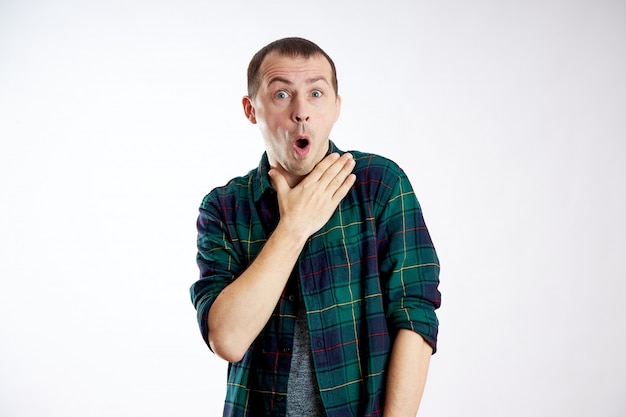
378 180
377 169
235 191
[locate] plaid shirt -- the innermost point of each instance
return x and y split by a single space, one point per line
371 270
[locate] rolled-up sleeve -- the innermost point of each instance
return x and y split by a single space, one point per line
409 265
216 258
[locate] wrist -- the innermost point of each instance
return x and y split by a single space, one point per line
292 234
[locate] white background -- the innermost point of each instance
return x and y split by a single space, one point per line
117 117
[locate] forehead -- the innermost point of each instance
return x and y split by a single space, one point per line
275 65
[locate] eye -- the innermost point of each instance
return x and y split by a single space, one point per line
317 93
282 94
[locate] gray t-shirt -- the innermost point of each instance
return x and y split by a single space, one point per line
303 395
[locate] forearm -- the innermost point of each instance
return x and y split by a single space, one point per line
406 378
243 308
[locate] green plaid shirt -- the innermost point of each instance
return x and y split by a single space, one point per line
371 270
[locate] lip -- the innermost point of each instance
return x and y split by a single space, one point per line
301 146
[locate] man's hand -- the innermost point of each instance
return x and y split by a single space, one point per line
305 208
242 309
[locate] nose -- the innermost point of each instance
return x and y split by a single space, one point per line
300 112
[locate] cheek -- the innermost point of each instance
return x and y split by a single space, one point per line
330 120
274 120
330 113
269 123
337 112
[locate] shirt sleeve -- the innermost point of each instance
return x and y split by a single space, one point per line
409 264
217 261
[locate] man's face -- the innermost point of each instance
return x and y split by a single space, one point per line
295 108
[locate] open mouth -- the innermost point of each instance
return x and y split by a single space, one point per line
302 143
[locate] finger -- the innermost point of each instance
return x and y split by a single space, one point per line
322 166
344 189
329 168
335 175
278 181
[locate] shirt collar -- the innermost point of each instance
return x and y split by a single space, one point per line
261 180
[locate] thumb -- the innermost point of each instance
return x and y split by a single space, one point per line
278 180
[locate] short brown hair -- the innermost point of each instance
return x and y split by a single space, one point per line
291 47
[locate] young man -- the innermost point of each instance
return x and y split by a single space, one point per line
318 278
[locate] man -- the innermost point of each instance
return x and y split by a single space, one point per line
318 278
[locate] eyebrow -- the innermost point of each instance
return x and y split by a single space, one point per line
278 80
286 81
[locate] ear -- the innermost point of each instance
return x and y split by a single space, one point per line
248 109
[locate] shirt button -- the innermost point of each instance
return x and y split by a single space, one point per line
286 350
318 342
292 298
280 398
